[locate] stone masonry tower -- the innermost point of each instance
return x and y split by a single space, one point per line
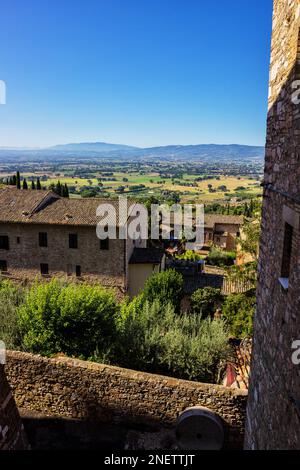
273 415
11 430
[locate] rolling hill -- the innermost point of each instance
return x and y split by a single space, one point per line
96 150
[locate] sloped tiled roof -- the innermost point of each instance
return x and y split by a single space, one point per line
238 369
18 205
193 283
210 220
66 211
146 256
45 207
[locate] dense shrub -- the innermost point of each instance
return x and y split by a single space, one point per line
206 301
87 322
238 310
218 257
166 287
11 297
190 255
73 319
154 338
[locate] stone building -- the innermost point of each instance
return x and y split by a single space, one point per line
222 230
273 417
44 235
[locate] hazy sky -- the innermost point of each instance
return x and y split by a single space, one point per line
141 72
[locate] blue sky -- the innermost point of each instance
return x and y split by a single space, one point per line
140 72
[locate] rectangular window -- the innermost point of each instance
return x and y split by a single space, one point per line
287 251
3 266
43 239
73 241
4 242
44 269
78 271
104 244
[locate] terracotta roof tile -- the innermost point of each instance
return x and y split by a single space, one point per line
238 370
146 256
193 283
210 220
18 205
45 207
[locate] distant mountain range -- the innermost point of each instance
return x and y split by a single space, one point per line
97 150
92 147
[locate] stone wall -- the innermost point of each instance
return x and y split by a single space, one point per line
11 430
83 390
273 413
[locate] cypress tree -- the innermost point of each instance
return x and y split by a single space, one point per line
65 191
32 185
38 184
25 185
14 180
59 188
18 182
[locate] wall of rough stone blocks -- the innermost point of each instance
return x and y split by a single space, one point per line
273 413
83 390
11 430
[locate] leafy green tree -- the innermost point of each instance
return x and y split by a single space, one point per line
249 245
246 273
166 287
190 255
218 257
11 297
238 310
250 240
73 319
206 301
86 193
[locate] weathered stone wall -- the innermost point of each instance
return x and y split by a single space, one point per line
84 390
230 228
273 414
24 258
11 430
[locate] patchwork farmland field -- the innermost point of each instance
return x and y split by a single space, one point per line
185 182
